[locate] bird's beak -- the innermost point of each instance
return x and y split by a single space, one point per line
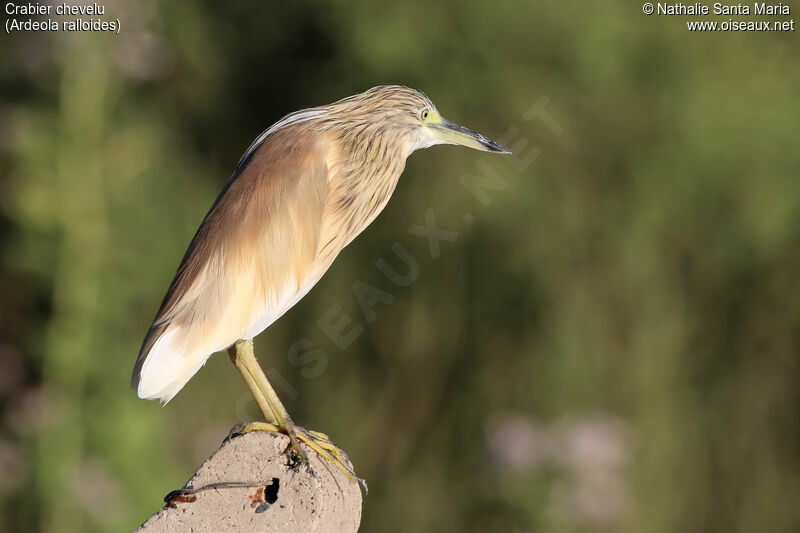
452 133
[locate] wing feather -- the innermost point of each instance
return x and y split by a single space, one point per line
251 259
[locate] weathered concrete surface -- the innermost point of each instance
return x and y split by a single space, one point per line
296 502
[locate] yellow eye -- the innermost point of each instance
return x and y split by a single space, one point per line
424 114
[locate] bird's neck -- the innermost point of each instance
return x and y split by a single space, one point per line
364 177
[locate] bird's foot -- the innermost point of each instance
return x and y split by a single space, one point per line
316 440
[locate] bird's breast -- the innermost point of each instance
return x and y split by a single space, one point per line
358 194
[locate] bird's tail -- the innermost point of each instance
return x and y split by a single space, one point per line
166 363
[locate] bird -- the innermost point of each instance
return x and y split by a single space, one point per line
300 193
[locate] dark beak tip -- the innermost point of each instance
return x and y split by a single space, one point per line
500 149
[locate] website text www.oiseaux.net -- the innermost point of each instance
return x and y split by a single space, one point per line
737 25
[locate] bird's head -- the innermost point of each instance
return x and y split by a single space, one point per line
410 116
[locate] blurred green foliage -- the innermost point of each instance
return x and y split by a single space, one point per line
611 344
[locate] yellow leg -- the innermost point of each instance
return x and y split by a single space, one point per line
277 418
233 353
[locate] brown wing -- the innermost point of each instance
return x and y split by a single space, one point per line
252 253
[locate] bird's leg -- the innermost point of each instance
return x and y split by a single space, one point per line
277 418
241 353
238 362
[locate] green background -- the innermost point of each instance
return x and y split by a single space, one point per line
610 345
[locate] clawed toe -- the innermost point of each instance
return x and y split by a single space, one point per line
316 440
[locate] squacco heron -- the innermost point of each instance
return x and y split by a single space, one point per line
303 190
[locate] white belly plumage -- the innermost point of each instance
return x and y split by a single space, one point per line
181 351
271 314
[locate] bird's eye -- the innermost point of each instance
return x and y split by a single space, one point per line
424 114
